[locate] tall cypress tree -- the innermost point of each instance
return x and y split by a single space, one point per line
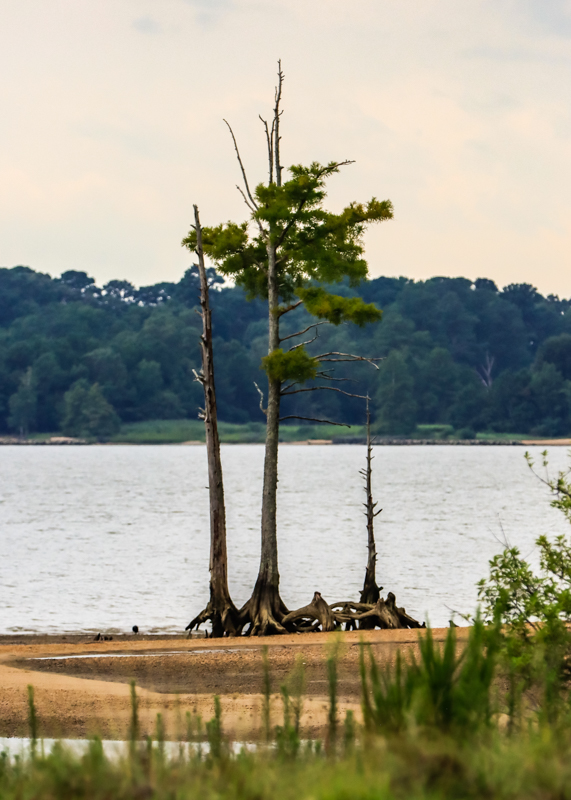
287 251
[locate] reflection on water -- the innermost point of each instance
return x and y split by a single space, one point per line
114 749
102 538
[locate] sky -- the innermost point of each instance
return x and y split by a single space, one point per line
459 112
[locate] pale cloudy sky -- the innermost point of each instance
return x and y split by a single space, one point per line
459 111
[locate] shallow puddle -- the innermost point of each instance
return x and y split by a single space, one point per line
141 655
113 748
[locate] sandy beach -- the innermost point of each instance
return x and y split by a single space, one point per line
82 686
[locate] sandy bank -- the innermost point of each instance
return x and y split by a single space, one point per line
83 696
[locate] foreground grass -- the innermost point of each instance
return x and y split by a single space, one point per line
530 766
432 728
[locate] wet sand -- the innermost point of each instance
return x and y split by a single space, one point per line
176 675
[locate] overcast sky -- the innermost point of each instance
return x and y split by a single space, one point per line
459 112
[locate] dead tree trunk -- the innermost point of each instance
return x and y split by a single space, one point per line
220 610
370 592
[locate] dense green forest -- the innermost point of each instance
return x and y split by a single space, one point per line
83 359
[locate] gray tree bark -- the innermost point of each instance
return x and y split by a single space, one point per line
370 592
220 609
265 610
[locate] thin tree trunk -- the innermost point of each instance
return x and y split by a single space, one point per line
265 609
370 592
220 609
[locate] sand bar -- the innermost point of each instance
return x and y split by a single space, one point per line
78 697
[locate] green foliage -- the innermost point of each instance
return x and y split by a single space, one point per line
336 309
88 414
444 690
293 365
214 731
314 244
309 245
24 404
32 720
266 692
523 598
395 396
432 731
140 346
536 607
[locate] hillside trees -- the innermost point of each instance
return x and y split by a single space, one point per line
287 252
67 328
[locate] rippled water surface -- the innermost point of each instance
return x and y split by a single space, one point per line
102 538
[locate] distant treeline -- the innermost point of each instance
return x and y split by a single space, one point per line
80 358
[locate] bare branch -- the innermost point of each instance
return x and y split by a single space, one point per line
250 206
347 357
248 192
326 376
312 419
276 124
262 409
301 344
198 376
324 388
300 333
289 308
270 142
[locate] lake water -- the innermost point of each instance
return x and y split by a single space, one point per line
102 538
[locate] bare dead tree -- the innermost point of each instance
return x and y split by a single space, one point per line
484 371
220 611
370 592
372 611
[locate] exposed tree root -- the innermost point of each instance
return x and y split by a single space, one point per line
264 612
224 616
316 614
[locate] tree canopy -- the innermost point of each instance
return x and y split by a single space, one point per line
465 353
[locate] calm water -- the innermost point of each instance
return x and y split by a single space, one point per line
102 538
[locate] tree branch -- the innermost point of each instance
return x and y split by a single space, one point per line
262 409
347 357
309 327
325 375
248 192
250 206
276 124
324 388
270 142
289 308
301 344
313 419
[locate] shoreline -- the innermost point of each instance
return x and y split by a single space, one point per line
60 441
79 697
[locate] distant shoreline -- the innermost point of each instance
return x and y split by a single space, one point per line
65 441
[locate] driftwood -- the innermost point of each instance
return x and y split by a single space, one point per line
317 614
320 616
